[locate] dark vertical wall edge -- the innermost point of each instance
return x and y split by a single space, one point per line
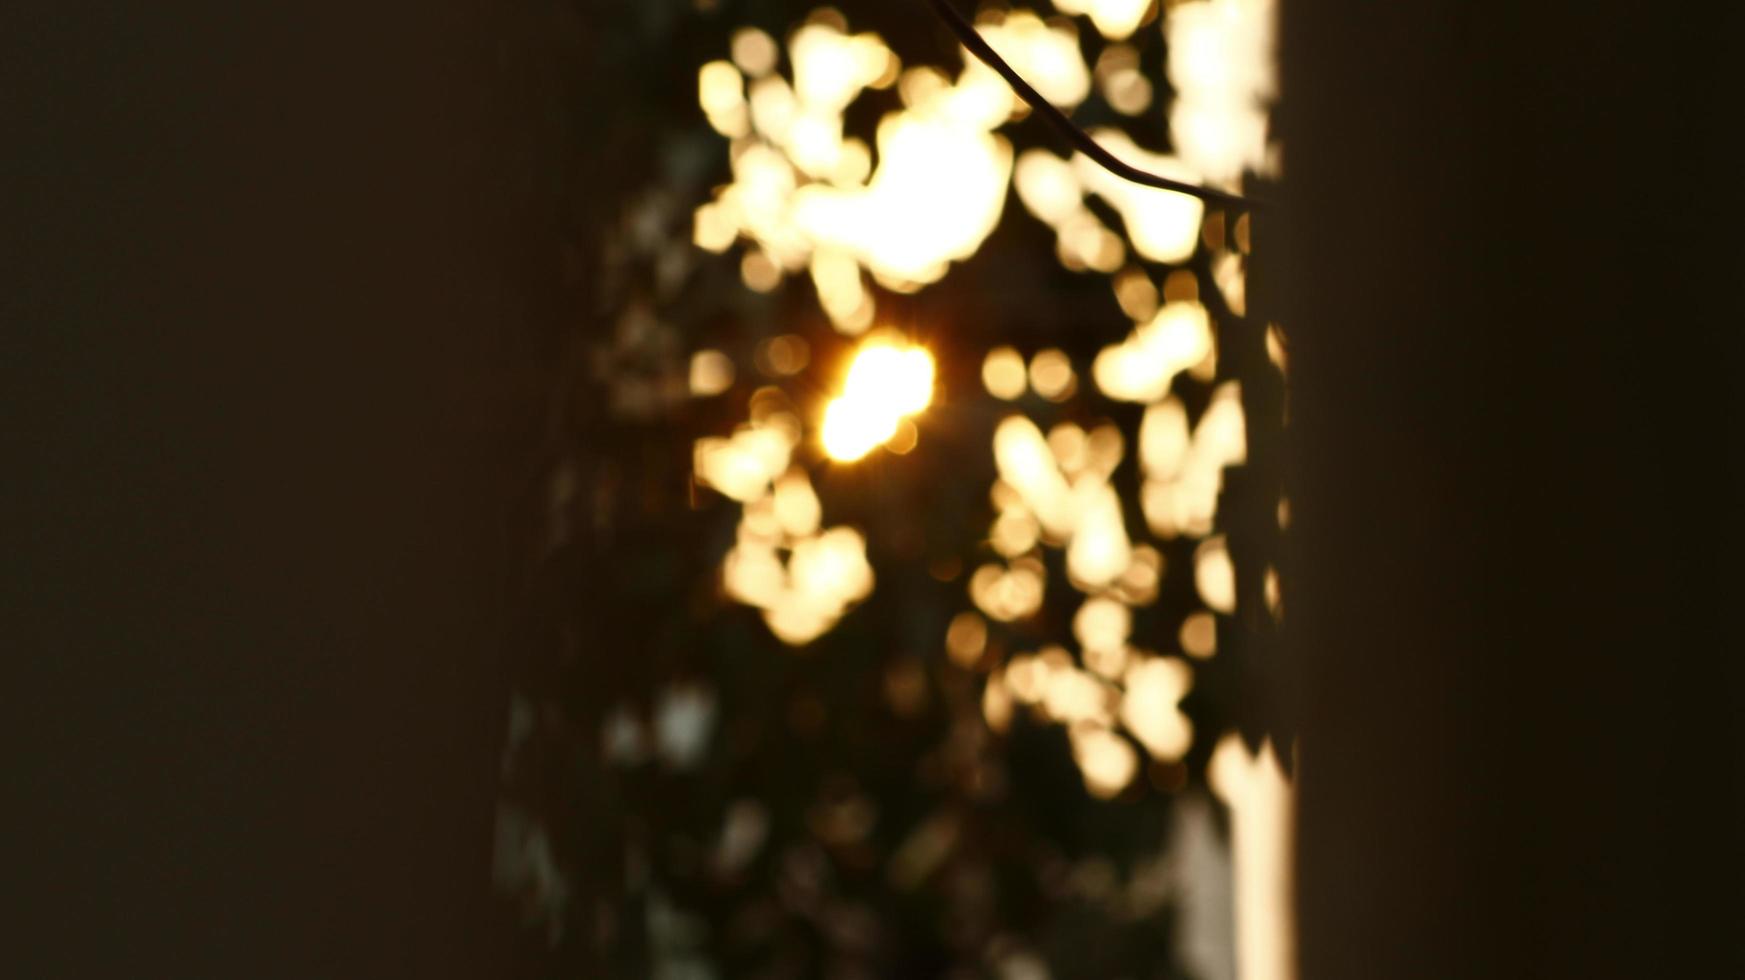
276 278
1516 415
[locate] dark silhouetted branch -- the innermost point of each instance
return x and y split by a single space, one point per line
978 46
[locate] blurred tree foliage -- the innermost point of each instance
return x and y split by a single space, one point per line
685 796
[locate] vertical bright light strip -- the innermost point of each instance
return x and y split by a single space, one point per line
1262 804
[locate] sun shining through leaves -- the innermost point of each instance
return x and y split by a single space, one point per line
886 383
809 199
891 611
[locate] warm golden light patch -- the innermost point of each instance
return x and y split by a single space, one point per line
854 428
1102 624
1008 594
754 52
721 94
759 272
1150 708
1222 69
1051 375
1003 373
742 467
1015 532
1046 54
1106 761
1100 550
809 195
1136 293
1199 635
784 356
1138 586
1142 367
997 703
1047 186
711 373
1115 19
1120 81
1215 575
713 230
1183 474
804 597
796 505
1262 804
902 377
966 639
905 439
886 382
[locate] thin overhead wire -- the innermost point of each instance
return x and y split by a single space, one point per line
1081 140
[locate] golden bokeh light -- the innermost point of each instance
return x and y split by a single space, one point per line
759 272
743 466
854 428
1022 676
1105 760
1070 695
1164 439
1222 68
1104 449
1181 285
809 195
886 383
1015 532
1008 593
1139 584
842 294
1150 707
997 702
713 230
1074 504
1162 226
1215 575
1115 19
1003 373
1046 54
1183 474
1070 447
1047 187
1027 467
1051 375
796 505
1128 92
1199 635
1102 624
900 376
803 598
783 356
905 439
754 51
721 93
1142 367
711 373
1100 550
1107 662
1136 293
966 639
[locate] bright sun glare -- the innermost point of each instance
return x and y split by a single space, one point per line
886 382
